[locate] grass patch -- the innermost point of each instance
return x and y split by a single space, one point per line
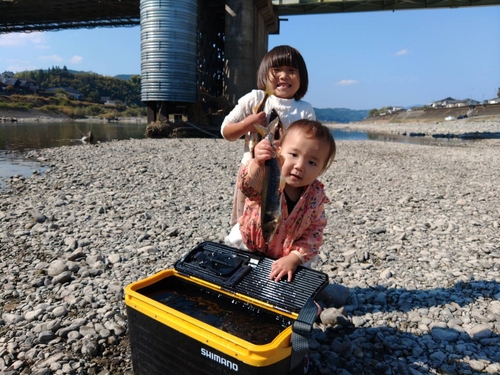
17 106
62 104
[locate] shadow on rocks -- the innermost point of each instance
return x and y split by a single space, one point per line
401 331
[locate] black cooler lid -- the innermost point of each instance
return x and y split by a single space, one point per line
248 273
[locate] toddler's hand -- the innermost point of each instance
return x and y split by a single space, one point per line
285 266
263 151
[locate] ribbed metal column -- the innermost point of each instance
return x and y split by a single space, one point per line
168 50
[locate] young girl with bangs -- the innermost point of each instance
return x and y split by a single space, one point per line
283 75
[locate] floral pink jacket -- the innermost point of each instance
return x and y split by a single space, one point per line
301 232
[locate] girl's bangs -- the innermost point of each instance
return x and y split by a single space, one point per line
284 60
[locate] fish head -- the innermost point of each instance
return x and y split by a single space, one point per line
269 229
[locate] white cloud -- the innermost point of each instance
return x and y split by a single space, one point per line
14 65
347 82
403 52
76 59
54 58
21 39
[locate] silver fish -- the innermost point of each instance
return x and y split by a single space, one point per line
272 186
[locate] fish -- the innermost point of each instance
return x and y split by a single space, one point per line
255 137
279 127
272 186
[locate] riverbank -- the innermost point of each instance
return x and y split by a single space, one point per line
412 247
455 127
427 128
33 115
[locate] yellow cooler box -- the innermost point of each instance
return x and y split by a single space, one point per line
217 312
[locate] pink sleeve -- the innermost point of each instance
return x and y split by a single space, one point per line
307 246
250 184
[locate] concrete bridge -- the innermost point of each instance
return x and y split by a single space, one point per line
227 41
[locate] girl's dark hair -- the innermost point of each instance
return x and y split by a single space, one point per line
314 130
283 56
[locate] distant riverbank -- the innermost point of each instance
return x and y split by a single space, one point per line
489 124
35 115
457 127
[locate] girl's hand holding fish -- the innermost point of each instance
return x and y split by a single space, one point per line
255 119
234 131
284 266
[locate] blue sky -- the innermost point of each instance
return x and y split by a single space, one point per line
355 60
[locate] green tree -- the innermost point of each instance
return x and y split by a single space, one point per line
373 112
94 96
498 93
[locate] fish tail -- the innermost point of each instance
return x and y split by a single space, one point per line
262 130
269 91
261 105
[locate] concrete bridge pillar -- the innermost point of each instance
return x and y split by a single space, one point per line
248 24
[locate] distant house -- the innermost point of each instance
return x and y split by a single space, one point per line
470 102
71 92
451 103
13 82
25 85
441 103
494 101
28 85
110 103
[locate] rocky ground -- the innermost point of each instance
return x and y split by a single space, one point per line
412 251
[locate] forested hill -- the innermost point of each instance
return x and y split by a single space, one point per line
342 115
91 85
127 89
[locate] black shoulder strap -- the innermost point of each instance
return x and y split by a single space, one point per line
301 332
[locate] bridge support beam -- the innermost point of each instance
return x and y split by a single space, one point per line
248 25
226 62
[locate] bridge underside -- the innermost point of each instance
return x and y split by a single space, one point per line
38 15
297 7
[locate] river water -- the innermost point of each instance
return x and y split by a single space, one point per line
17 138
